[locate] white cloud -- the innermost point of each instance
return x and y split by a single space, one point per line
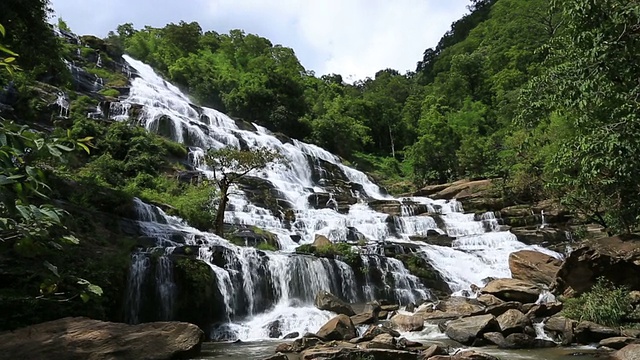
350 37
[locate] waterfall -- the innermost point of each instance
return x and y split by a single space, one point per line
63 104
261 288
140 265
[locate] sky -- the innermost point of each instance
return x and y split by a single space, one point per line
354 38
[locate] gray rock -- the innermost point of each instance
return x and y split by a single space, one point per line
466 330
618 342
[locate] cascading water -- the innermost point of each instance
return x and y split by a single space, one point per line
262 289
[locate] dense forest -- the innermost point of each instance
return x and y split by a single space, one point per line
542 94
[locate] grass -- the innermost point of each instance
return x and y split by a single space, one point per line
604 304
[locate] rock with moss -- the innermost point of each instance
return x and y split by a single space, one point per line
252 236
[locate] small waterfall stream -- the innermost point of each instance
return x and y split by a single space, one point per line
258 288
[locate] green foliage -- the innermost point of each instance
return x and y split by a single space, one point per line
110 92
342 251
603 304
29 34
266 247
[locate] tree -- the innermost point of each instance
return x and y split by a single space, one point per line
591 83
229 165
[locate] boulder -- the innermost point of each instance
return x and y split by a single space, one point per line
274 329
341 353
451 308
560 329
497 310
83 338
495 338
613 258
389 307
327 301
407 322
489 300
339 328
634 333
543 343
512 321
629 352
375 330
587 332
292 335
466 330
432 350
305 342
320 241
512 290
382 341
363 319
544 310
617 342
518 341
534 267
404 343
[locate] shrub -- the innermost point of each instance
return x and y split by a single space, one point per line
604 304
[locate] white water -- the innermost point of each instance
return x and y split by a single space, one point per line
258 288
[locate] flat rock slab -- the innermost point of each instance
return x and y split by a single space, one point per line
350 353
87 339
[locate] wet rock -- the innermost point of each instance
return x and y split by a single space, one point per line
433 237
512 290
274 329
629 352
433 350
375 330
351 353
363 319
497 310
327 301
618 342
473 355
560 329
489 300
404 343
339 328
278 356
512 321
544 310
466 330
518 341
83 338
587 332
382 341
407 322
284 348
534 267
495 338
390 307
613 258
292 335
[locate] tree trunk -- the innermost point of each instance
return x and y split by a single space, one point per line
219 226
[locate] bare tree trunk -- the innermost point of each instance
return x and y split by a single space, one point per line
219 226
393 145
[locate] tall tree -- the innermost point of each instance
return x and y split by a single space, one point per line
592 85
